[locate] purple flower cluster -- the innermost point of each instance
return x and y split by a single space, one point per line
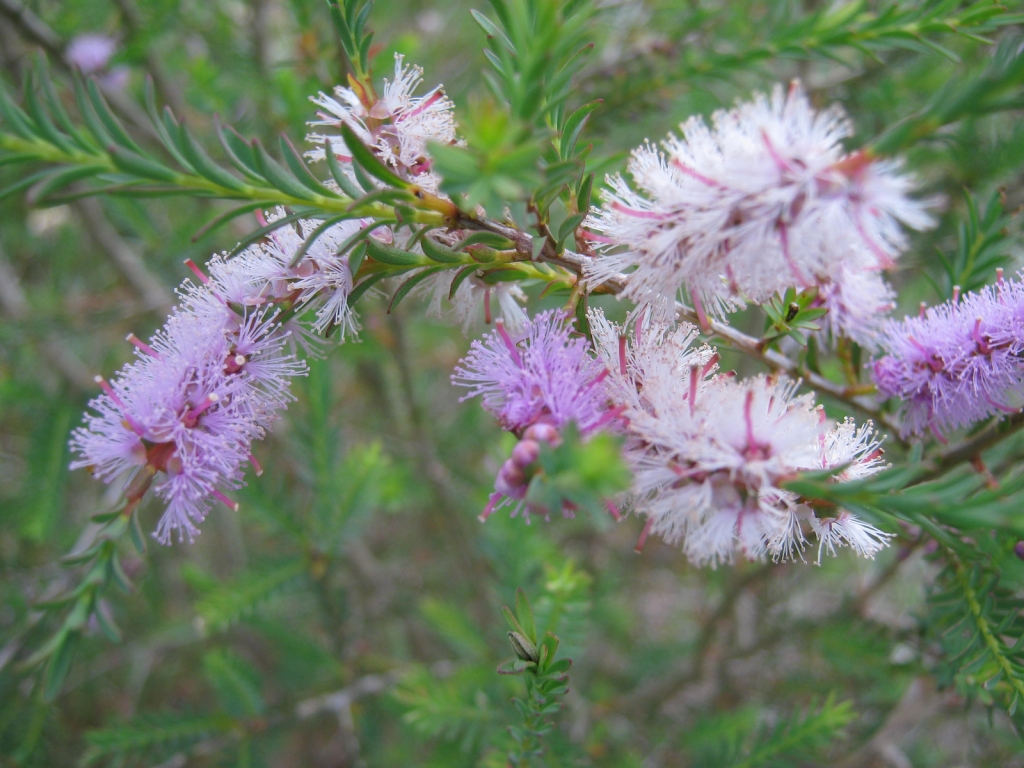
957 363
547 376
186 411
534 388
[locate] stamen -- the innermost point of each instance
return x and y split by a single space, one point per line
638 213
921 309
884 259
694 378
131 337
956 295
638 326
133 425
782 164
709 365
698 307
784 241
613 511
643 536
699 176
983 346
197 271
492 502
513 351
256 466
191 416
232 505
748 405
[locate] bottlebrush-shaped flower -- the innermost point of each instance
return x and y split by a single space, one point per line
397 126
535 387
264 274
763 200
957 363
188 410
710 454
183 415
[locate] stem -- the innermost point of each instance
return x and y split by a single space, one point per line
750 346
199 184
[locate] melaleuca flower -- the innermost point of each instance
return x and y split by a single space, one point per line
764 200
957 363
189 410
397 126
535 387
263 274
857 304
547 375
710 454
186 412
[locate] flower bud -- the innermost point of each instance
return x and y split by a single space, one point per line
524 649
542 433
525 453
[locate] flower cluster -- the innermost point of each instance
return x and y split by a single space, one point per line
710 454
534 387
186 412
764 200
396 126
957 363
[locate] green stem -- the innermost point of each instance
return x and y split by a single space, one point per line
994 645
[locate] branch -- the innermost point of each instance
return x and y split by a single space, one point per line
748 345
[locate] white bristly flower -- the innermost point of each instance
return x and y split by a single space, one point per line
710 454
396 127
763 200
858 305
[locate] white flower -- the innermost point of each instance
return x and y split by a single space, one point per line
710 454
397 127
858 305
847 530
764 200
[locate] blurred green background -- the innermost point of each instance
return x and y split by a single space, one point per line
349 613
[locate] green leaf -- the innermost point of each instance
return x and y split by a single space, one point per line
459 278
204 166
59 664
347 185
368 161
388 254
412 282
59 179
524 613
573 127
277 176
490 239
299 168
437 252
137 165
364 286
